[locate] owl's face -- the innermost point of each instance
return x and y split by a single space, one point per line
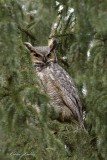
42 55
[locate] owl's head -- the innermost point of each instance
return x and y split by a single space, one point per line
43 55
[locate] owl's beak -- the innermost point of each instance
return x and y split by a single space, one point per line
44 59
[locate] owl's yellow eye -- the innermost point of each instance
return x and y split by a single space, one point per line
37 55
49 55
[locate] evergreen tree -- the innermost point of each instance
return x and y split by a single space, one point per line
81 30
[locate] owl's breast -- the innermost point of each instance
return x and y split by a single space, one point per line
51 89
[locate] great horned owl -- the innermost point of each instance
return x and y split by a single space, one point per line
56 83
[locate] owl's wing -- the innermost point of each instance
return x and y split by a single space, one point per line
68 92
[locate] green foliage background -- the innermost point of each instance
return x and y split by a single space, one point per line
81 31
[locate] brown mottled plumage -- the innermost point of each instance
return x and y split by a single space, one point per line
57 83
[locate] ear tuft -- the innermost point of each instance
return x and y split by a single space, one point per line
52 44
28 46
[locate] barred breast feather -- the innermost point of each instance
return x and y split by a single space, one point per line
62 92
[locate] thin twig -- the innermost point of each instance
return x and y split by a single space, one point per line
61 35
28 33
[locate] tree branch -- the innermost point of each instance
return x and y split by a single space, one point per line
61 35
28 33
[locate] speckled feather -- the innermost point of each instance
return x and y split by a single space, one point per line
63 94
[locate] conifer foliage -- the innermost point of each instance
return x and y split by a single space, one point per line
81 30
